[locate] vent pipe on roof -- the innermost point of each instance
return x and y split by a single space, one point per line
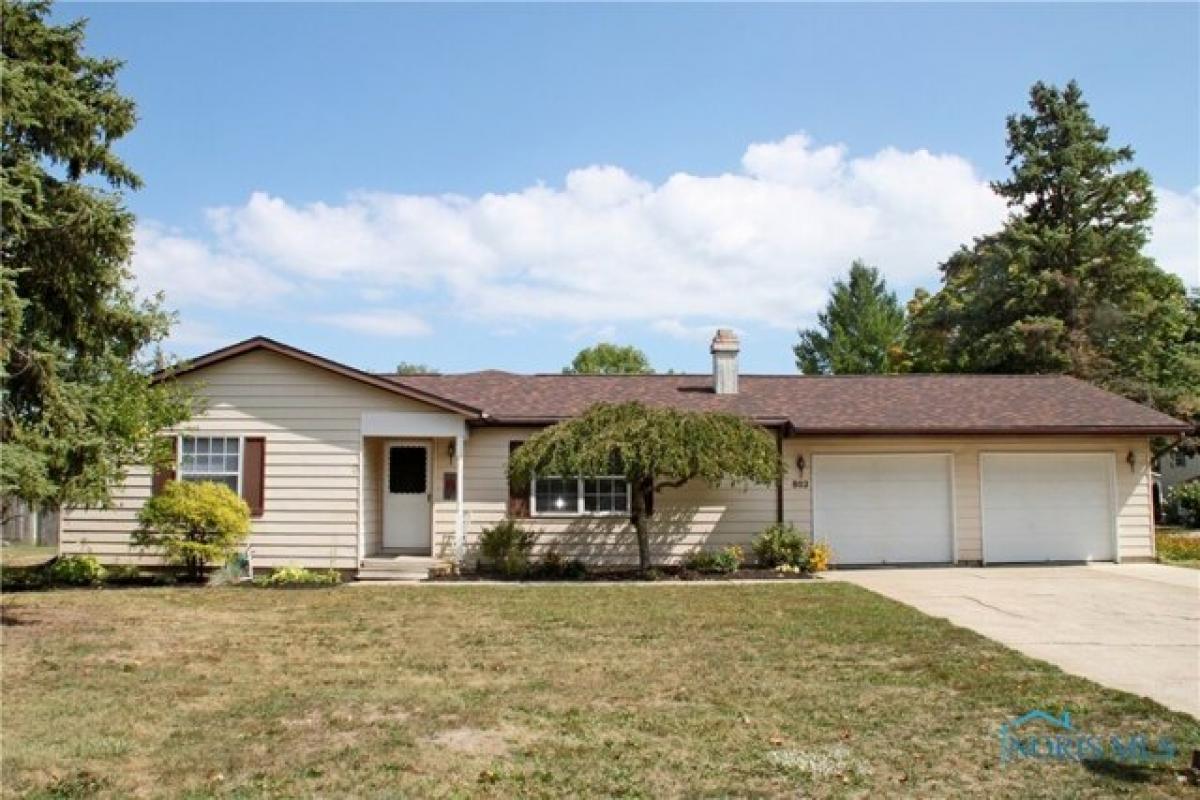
725 347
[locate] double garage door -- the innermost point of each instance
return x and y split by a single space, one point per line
898 508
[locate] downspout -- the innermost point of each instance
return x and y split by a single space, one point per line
779 479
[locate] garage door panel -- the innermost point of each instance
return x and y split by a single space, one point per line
876 509
1047 507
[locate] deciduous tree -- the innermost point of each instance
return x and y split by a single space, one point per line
654 448
609 359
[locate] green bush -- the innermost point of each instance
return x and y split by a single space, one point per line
299 576
555 565
193 524
720 562
1182 506
76 571
781 545
504 549
1177 547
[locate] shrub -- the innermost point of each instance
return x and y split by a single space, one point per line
555 565
124 574
1177 547
76 571
299 576
504 549
1182 505
819 556
720 562
781 544
193 524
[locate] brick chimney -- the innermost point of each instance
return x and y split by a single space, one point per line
725 347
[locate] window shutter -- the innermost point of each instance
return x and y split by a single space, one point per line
518 496
254 462
165 472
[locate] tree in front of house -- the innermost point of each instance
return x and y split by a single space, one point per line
861 330
79 404
653 448
193 524
413 368
609 359
1064 285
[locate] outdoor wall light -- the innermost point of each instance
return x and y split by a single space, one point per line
800 465
1131 460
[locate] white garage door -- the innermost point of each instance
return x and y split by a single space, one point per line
884 509
1047 507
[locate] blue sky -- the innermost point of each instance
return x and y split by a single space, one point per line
498 186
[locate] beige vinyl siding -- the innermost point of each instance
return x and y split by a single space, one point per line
692 517
1135 531
697 516
311 420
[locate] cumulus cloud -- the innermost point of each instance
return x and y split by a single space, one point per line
759 245
192 271
388 323
1176 240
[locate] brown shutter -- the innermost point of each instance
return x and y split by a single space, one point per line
518 496
254 462
165 472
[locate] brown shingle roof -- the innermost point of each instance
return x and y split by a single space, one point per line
852 404
819 404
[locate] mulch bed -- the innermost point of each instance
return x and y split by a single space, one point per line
621 575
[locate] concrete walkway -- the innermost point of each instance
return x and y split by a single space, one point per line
1134 627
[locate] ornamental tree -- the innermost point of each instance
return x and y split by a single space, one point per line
654 448
193 524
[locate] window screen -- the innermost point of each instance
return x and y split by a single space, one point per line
406 470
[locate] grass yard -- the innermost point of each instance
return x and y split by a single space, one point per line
450 691
26 555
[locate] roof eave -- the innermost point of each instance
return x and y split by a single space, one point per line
1041 430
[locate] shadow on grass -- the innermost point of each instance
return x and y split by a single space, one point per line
1128 773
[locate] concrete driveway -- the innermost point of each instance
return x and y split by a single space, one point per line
1134 627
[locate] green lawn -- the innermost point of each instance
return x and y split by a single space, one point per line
785 689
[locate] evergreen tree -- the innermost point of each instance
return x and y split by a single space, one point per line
1064 286
860 331
78 404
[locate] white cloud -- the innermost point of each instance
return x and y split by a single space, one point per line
388 323
756 246
691 333
192 271
1176 234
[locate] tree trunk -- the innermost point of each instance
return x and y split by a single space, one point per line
641 523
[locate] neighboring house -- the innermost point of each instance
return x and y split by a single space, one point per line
341 467
1175 467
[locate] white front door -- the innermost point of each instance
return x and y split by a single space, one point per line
891 508
406 496
1047 507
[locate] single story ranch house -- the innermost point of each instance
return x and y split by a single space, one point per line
358 471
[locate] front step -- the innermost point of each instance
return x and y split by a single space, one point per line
397 568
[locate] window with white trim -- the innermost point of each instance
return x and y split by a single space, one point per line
603 494
211 458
